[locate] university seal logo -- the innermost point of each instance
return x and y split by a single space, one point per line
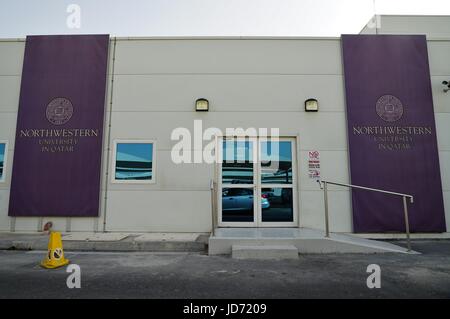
389 108
59 111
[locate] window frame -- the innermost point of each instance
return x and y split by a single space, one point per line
257 186
5 161
130 181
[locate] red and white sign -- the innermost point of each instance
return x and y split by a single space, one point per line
314 165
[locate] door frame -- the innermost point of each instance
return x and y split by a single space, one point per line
256 186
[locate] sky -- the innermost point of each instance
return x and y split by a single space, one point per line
134 151
19 18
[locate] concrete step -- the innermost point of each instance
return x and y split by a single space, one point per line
264 252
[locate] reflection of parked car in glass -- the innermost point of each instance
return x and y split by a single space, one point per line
268 192
264 201
240 199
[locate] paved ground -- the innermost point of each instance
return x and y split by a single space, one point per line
195 275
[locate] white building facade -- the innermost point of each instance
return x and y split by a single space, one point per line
152 87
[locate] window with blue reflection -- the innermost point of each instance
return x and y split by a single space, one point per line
276 162
237 161
134 161
2 159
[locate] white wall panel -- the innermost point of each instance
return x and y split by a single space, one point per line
438 52
442 131
444 161
227 92
4 219
11 53
447 209
323 131
9 93
27 224
159 211
433 26
85 224
8 127
228 56
312 210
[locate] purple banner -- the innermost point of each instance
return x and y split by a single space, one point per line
392 133
58 147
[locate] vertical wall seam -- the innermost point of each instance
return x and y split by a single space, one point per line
298 160
108 156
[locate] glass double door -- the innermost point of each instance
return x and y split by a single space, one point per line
257 182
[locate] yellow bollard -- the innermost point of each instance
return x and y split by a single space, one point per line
55 255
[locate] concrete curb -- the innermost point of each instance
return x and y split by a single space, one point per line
128 244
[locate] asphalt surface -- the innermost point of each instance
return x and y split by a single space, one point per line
195 275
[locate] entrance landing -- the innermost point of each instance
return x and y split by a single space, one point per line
306 240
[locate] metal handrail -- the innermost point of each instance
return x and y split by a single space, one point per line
213 188
404 196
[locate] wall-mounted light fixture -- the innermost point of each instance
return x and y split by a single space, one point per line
447 84
311 105
202 105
